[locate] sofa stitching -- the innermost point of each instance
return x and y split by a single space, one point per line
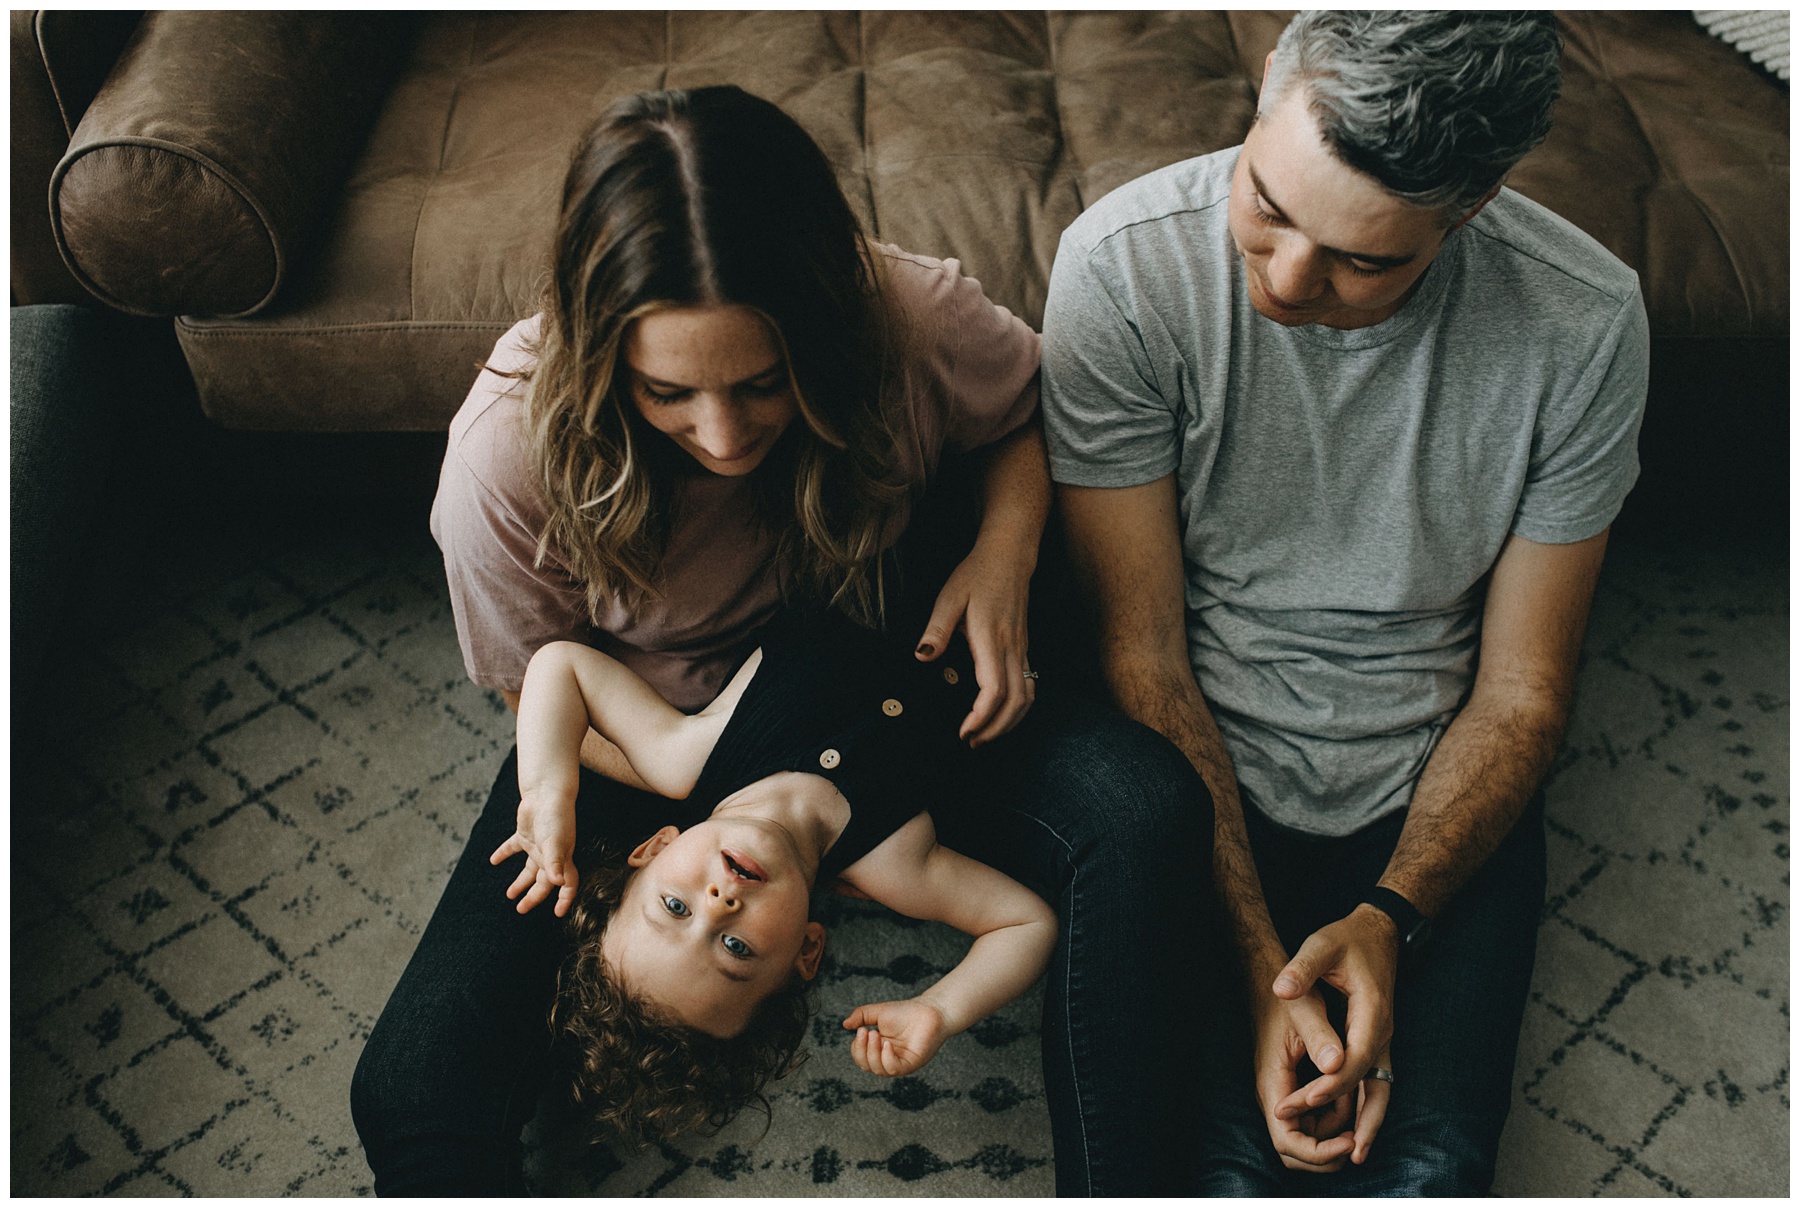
862 122
62 109
1063 154
205 327
1664 174
1237 51
412 260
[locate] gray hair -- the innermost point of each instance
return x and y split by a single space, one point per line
1436 106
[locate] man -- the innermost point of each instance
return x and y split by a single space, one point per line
1339 426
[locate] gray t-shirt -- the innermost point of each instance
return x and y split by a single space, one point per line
1342 494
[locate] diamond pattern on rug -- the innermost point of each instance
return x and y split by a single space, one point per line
256 776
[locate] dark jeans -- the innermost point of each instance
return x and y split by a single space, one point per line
1456 1020
1100 815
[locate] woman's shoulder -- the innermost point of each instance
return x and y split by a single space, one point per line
922 285
488 439
972 362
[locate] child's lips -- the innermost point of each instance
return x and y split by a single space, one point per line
743 867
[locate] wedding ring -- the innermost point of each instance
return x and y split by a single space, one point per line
1381 1075
1031 675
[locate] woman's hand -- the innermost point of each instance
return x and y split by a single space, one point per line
546 836
987 595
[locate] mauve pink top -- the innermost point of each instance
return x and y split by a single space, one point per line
972 378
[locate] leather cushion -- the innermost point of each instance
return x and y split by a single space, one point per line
978 135
219 139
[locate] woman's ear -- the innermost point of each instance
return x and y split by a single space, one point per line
646 851
812 951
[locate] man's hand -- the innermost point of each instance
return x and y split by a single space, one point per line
1358 955
1287 1031
895 1038
546 836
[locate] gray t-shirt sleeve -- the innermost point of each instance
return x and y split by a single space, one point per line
1584 453
1106 420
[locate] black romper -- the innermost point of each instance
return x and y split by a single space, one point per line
857 708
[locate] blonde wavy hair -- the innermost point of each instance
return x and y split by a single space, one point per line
704 197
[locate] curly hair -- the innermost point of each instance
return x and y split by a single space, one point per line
1436 106
635 1069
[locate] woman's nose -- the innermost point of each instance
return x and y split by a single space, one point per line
720 428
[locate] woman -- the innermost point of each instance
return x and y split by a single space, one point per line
733 400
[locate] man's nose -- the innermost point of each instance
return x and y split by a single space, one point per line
1294 271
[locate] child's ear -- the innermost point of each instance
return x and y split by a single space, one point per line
812 951
646 851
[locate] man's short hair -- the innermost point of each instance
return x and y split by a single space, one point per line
1436 106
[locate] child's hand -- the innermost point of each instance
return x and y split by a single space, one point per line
895 1038
546 836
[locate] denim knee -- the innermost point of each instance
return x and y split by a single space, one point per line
1440 1161
1120 787
373 1108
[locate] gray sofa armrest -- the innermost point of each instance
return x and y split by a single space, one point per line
212 151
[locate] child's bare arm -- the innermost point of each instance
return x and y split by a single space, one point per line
570 688
1014 933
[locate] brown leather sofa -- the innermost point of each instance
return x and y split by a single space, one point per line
341 212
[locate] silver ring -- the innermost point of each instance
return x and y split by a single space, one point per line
1381 1075
1031 675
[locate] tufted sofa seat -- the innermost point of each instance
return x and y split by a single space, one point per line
343 212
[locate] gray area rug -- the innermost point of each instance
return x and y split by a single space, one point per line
260 758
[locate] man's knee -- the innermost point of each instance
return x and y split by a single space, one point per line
1445 1159
1125 779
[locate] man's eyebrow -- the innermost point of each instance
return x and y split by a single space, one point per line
1275 208
725 971
667 385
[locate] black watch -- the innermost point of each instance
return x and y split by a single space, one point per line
1415 928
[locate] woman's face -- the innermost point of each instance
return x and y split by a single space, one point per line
711 379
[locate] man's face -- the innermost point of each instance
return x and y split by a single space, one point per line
1321 242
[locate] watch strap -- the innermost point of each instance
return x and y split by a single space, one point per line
1412 925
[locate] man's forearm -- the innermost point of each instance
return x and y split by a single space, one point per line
1170 703
1472 791
1490 760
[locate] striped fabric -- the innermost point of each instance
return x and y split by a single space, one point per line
1760 33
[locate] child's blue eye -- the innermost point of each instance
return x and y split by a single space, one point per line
736 947
676 907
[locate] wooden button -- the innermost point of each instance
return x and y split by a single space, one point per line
892 708
950 676
830 759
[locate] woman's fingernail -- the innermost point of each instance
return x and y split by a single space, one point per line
927 649
1328 1054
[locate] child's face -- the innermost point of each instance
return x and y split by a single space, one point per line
713 921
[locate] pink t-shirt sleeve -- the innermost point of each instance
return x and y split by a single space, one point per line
486 519
974 363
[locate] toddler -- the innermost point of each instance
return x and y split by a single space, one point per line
686 990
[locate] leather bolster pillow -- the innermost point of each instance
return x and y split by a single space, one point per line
211 152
